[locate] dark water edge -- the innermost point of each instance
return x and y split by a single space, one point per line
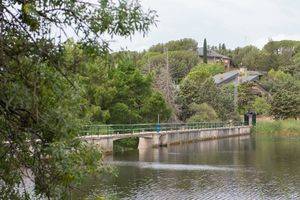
248 167
127 144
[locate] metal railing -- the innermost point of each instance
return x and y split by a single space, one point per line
136 128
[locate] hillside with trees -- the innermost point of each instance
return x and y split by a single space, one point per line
280 61
185 80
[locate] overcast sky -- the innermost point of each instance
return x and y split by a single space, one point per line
233 22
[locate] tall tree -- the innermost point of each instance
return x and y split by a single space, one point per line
205 51
286 101
223 46
40 98
285 96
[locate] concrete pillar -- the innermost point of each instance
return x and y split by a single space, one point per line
156 140
163 139
106 145
145 143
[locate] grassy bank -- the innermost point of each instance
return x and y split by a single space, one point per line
280 127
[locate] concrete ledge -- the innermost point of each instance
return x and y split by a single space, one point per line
205 134
204 139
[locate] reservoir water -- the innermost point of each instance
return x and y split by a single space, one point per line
248 167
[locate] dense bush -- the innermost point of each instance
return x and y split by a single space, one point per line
211 68
202 113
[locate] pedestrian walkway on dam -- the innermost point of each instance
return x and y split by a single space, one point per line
155 135
107 129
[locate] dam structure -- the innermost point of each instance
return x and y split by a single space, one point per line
156 135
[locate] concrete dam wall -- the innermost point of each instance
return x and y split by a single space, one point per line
166 138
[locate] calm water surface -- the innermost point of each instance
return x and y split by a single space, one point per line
231 168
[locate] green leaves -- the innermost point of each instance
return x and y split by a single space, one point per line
49 90
261 106
202 113
198 87
275 54
212 69
29 17
181 62
89 21
115 90
185 44
286 101
153 106
245 97
284 88
134 92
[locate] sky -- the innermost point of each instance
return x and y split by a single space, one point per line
233 22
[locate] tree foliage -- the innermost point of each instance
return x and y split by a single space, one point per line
284 89
199 87
42 103
202 113
115 90
179 63
286 101
286 98
212 68
205 51
185 44
261 106
222 49
245 97
155 105
135 91
248 56
274 54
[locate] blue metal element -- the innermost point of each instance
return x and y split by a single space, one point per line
157 128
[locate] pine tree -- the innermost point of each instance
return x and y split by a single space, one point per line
223 46
220 47
205 51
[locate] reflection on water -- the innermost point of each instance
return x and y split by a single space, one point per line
151 165
232 168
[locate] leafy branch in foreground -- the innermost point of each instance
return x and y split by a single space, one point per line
41 103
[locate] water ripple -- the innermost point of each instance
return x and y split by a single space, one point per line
179 167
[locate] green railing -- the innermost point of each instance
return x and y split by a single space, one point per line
136 128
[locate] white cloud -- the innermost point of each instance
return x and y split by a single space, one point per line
234 22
